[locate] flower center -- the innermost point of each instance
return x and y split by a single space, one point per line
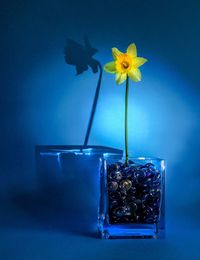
125 64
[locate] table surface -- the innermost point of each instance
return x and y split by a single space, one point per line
44 223
23 235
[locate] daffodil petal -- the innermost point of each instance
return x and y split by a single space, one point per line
139 61
110 67
135 75
116 52
120 77
132 50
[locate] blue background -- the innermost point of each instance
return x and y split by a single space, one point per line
43 102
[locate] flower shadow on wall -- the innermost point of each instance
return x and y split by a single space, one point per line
66 204
81 56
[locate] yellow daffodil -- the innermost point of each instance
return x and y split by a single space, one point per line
125 64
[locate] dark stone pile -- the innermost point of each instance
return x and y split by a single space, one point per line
134 193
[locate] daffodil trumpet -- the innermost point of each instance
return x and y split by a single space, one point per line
125 66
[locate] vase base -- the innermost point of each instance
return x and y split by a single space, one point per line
137 231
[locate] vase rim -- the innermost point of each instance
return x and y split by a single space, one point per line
131 157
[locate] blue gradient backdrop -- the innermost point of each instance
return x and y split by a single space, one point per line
43 102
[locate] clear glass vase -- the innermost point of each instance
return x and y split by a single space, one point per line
132 197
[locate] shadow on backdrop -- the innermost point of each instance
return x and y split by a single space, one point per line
67 194
81 56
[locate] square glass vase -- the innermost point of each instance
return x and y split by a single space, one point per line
132 197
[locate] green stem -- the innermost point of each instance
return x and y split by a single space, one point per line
126 120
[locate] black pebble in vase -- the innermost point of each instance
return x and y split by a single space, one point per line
132 198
